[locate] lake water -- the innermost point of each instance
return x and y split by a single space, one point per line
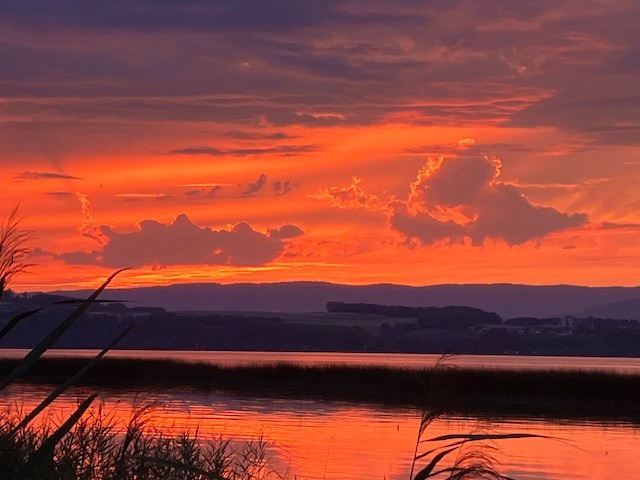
314 439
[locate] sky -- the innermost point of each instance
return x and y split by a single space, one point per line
441 141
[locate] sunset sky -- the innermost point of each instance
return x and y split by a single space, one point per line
429 142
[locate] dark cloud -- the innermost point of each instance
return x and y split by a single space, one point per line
458 198
190 15
619 226
194 193
245 135
39 252
197 151
210 192
140 197
283 187
81 258
44 176
284 150
286 231
184 243
60 194
423 226
256 186
273 63
496 148
608 115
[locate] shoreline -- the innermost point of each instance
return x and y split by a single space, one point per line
554 394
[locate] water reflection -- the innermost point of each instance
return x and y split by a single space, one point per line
314 439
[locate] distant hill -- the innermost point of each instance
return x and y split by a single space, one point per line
507 300
628 309
344 327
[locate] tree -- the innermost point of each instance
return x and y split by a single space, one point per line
14 251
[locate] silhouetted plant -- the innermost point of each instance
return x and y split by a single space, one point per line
455 456
98 447
31 458
14 249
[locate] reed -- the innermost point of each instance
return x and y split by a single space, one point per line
14 248
36 460
490 393
98 447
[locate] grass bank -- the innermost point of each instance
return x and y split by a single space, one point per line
553 394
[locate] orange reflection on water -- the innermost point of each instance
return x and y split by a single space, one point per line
336 441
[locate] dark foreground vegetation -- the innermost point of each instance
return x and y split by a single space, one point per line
99 447
553 394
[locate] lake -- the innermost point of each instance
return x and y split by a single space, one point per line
315 439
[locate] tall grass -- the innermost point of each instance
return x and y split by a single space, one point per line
14 248
454 456
23 454
99 447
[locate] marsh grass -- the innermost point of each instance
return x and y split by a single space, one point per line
99 447
589 395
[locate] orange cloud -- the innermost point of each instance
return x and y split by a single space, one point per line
89 227
352 196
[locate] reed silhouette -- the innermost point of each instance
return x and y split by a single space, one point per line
14 248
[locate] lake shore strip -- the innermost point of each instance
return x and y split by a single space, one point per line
447 389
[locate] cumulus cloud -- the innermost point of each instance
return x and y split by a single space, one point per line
44 176
185 243
352 196
457 198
